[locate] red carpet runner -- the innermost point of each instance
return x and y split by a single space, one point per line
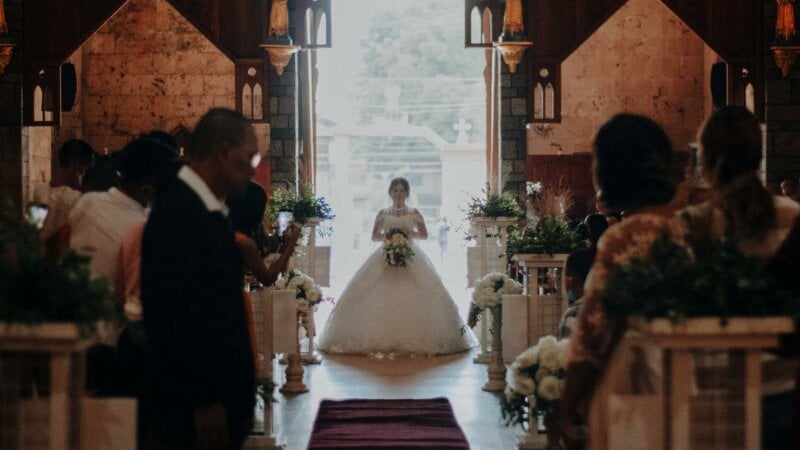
387 424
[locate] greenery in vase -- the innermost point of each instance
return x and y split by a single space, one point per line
33 290
672 283
494 205
303 206
548 236
265 388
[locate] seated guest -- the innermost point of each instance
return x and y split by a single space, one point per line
634 168
741 208
98 223
789 189
102 176
596 225
75 157
576 270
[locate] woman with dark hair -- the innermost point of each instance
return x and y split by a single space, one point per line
396 310
740 206
633 165
761 224
246 215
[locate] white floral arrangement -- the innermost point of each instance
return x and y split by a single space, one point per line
307 291
397 248
537 381
490 289
533 189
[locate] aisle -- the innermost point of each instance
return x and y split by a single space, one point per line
452 376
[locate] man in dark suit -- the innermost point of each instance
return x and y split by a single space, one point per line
201 386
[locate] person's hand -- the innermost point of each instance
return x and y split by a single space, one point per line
291 235
211 427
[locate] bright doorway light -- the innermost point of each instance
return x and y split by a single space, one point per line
399 95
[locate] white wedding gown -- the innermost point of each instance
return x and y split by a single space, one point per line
400 310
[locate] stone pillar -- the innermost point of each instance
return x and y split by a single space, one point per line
284 118
514 99
11 181
284 126
782 110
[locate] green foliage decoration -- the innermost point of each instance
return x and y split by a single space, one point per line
304 206
672 283
548 236
33 290
493 205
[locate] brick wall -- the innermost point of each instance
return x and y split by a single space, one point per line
146 68
642 60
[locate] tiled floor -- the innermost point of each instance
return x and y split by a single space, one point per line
454 376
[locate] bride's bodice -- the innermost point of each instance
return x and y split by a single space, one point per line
405 222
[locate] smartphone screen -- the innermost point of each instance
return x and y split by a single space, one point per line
284 219
36 214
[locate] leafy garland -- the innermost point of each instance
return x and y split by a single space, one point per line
33 291
304 206
549 236
493 205
672 283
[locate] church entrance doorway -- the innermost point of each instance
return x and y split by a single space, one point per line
398 95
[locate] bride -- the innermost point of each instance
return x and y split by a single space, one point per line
402 310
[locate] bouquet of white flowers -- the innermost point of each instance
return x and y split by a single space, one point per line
307 291
489 290
537 381
488 293
397 248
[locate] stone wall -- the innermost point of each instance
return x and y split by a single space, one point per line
642 60
146 68
782 112
284 134
37 145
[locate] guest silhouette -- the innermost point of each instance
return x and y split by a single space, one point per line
201 379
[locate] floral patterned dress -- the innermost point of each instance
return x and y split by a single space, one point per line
595 335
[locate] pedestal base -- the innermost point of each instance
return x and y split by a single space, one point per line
312 358
494 386
530 441
482 358
256 442
294 376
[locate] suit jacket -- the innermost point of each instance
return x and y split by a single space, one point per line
193 314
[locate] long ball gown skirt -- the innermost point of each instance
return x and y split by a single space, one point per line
400 310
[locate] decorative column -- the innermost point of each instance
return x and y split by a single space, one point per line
496 368
488 256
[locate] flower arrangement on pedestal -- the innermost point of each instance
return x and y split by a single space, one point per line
549 236
397 248
308 292
488 293
304 205
537 380
494 205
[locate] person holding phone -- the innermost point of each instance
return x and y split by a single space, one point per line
246 214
